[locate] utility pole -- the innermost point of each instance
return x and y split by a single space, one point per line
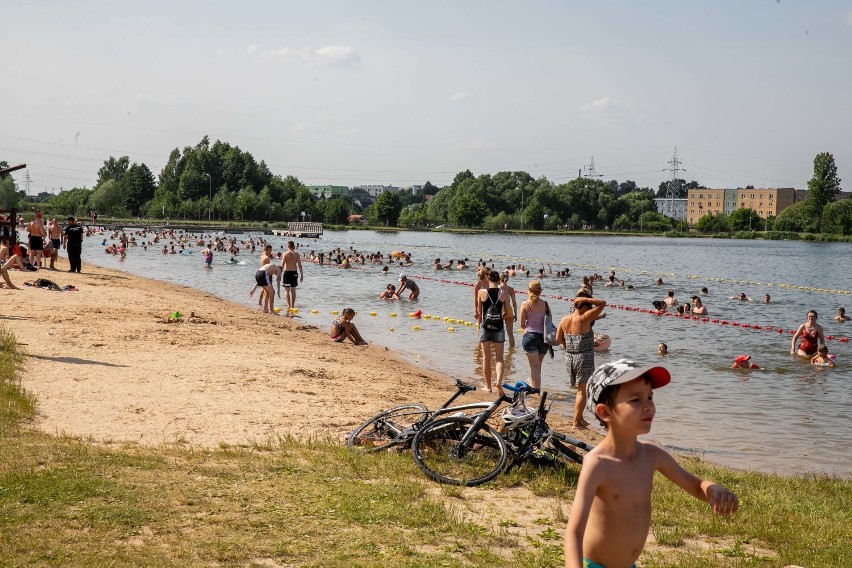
672 190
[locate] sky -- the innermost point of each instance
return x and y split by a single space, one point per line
403 92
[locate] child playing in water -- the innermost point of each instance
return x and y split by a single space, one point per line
822 359
744 362
611 515
389 293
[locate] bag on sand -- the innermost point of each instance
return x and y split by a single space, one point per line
549 328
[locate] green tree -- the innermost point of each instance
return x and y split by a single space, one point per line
797 218
9 194
837 217
114 169
713 223
108 198
824 186
468 209
334 210
139 186
387 208
745 219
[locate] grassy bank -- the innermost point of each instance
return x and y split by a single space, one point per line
66 501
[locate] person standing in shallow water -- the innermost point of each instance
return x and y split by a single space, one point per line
575 334
291 264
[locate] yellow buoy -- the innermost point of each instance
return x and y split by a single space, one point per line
451 329
416 328
314 311
372 313
277 310
391 329
393 314
334 312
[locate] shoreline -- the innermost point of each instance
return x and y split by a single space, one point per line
105 364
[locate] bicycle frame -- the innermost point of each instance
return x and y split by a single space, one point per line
444 409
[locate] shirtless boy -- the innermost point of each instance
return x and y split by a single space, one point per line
611 515
291 263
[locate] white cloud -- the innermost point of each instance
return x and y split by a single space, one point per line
336 55
459 96
609 110
330 55
167 100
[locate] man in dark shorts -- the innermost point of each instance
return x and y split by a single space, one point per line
37 234
291 263
72 240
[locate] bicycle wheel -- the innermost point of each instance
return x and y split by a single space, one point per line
385 429
439 454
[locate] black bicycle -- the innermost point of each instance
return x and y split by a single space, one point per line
468 451
536 440
462 450
397 426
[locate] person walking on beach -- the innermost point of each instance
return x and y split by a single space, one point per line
291 264
611 515
575 334
531 319
72 241
492 336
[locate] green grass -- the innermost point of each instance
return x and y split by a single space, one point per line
65 501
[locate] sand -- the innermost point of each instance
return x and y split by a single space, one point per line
105 363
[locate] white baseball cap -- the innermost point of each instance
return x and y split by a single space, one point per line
620 372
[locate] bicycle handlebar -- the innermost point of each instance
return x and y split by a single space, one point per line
521 386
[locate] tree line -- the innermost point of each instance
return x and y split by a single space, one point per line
222 182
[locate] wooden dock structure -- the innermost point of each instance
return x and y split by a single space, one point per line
300 229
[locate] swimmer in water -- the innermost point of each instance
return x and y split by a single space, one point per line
822 359
841 315
389 293
742 297
662 349
744 362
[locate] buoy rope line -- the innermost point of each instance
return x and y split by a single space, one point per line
634 309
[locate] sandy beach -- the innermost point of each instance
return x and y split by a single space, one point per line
106 363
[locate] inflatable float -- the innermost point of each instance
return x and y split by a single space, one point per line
602 342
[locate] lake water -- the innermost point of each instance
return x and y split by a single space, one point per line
786 417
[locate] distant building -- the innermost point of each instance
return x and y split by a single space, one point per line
674 208
375 189
328 191
415 189
766 202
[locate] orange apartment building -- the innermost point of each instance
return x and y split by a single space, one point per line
767 202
